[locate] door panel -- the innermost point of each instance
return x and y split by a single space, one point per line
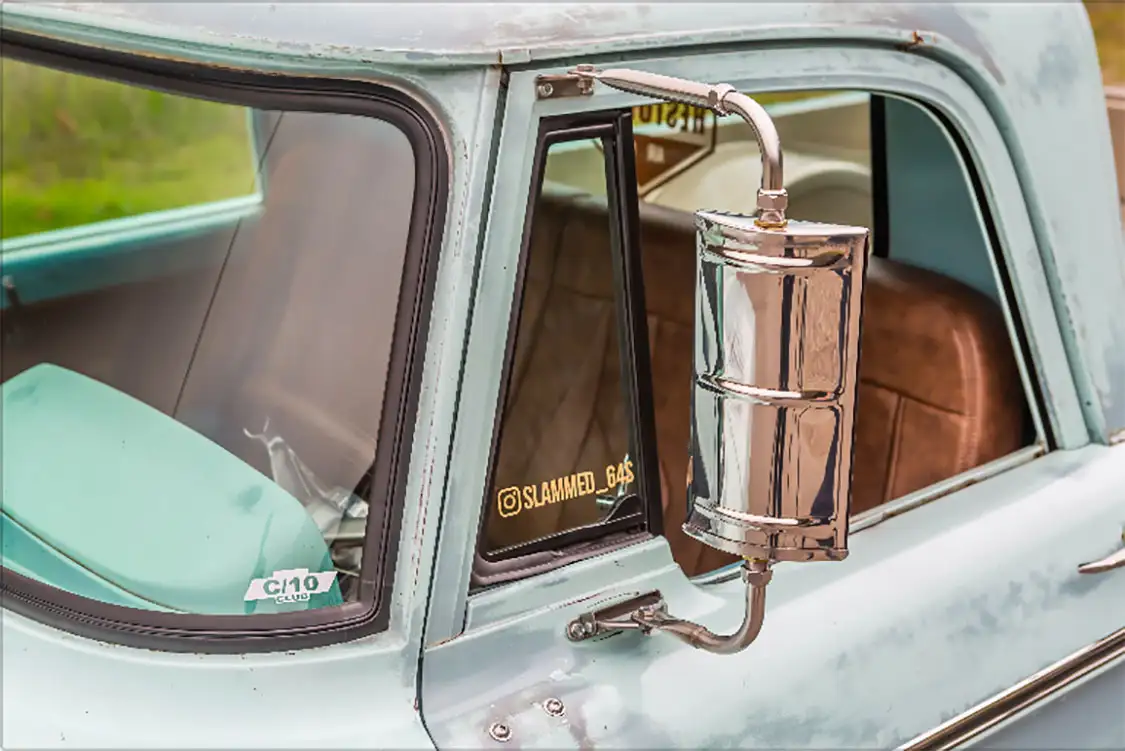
935 611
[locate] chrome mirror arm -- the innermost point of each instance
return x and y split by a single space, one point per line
722 99
649 613
773 397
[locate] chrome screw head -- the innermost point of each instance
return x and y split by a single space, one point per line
554 707
576 630
500 732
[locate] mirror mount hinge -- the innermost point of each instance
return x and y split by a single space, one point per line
563 86
649 612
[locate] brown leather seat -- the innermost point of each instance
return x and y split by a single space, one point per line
939 387
939 390
564 411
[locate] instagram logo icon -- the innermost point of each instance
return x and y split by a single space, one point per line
508 502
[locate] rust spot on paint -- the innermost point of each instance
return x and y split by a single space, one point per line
916 40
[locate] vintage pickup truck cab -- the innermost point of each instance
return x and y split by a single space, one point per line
497 435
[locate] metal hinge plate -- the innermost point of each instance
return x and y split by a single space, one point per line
558 87
614 617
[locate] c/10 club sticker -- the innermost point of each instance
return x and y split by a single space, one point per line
290 585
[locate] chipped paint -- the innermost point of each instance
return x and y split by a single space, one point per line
970 592
481 34
916 40
974 594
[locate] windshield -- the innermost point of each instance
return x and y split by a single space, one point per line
199 312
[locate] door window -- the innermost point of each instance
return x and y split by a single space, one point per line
568 465
941 389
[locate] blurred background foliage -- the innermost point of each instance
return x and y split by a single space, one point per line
77 150
1107 17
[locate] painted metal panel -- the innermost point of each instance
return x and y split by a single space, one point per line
62 690
932 612
752 71
1065 722
358 694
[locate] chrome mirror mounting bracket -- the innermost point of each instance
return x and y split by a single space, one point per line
776 347
649 612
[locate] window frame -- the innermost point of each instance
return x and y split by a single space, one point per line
615 129
180 632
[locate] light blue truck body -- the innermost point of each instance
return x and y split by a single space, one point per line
936 612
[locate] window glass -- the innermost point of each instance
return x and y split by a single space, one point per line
564 459
940 391
1108 22
80 150
192 410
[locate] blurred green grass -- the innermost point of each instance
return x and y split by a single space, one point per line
76 150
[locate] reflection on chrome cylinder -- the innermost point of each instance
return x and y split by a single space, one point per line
776 361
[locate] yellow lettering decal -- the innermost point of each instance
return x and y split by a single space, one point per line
513 500
621 474
508 502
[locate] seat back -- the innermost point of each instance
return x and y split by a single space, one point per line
939 390
302 323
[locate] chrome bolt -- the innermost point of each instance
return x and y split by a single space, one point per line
545 90
500 732
576 630
554 707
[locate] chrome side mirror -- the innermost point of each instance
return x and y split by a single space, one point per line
777 323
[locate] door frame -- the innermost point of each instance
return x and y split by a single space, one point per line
476 644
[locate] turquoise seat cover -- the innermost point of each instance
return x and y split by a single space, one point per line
111 499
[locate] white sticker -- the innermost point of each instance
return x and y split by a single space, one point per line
290 585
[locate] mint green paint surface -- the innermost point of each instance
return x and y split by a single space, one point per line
935 608
111 499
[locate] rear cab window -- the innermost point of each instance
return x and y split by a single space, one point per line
211 303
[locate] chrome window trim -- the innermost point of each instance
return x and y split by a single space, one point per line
1035 689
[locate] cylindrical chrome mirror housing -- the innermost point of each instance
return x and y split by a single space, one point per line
775 373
